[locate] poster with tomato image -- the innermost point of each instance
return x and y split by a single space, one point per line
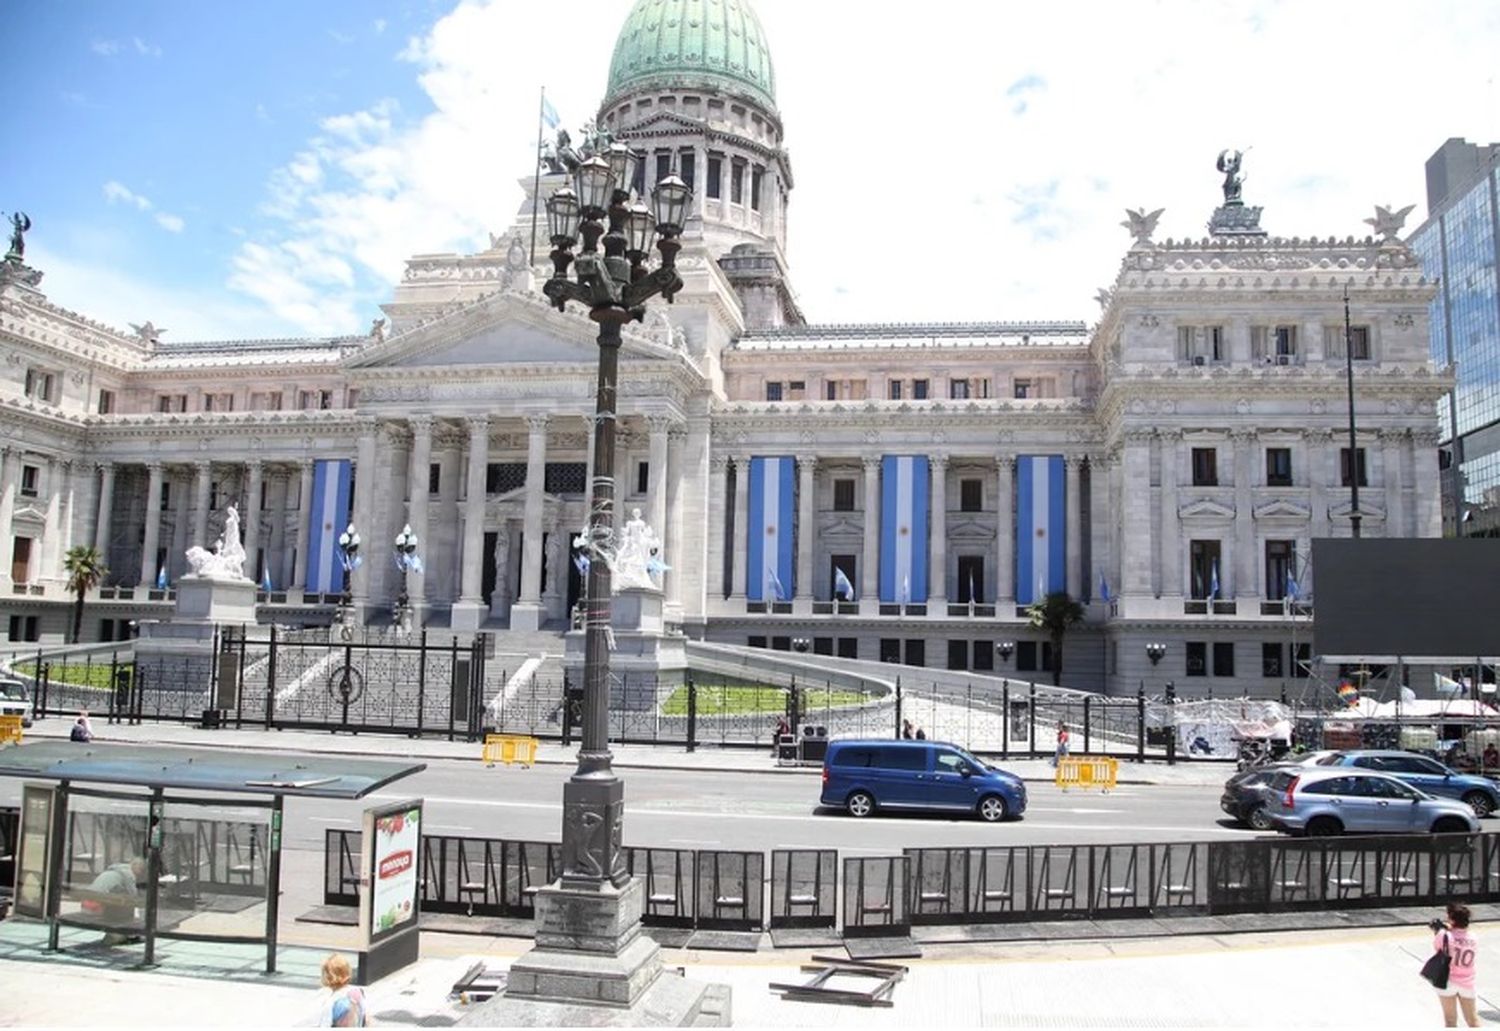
394 870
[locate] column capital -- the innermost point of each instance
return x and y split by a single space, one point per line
535 423
1169 434
367 424
807 461
153 466
1319 435
871 463
1244 436
203 465
305 463
657 422
719 462
420 423
1072 462
103 465
479 425
939 460
255 464
1005 463
1425 438
1394 437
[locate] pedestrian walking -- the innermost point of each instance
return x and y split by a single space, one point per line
1453 936
906 730
1062 743
344 1005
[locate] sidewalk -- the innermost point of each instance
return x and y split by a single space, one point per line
656 757
1329 979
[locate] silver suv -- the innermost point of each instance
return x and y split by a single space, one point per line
1322 801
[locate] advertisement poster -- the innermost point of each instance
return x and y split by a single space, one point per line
396 866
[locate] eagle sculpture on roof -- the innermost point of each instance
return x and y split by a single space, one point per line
1141 225
1387 222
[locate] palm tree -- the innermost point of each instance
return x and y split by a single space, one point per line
86 570
1055 614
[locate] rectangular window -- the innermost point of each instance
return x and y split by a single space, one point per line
796 390
831 390
1203 566
756 174
1196 654
971 495
984 655
166 495
1278 467
736 183
1303 659
773 391
106 402
1205 467
20 560
848 647
663 166
890 649
1026 657
171 403
41 385
1359 343
916 653
756 641
1215 343
31 478
919 389
971 579
1285 338
893 390
565 478
847 565
688 162
1223 658
642 477
1281 567
434 477
822 646
1270 659
1021 388
1359 461
843 495
958 389
715 176
213 495
958 654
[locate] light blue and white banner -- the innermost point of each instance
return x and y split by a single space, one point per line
328 517
1041 529
773 497
903 529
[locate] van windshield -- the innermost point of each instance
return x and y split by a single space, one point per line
11 691
979 767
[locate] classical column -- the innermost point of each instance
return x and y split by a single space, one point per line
10 463
468 610
1244 518
869 571
937 532
1074 529
658 427
1101 536
718 524
526 613
1171 525
275 543
151 541
1005 533
1319 448
1429 516
106 508
202 482
51 557
741 542
672 537
69 507
1390 474
250 519
305 532
416 510
807 531
364 515
1135 561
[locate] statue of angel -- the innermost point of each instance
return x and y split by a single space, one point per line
1229 164
19 224
1142 225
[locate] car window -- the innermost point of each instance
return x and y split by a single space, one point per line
853 757
1420 765
1280 780
1379 787
1404 791
1333 759
1370 762
901 758
950 762
1331 786
13 692
980 766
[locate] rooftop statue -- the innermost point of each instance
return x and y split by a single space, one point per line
148 333
377 330
1142 225
1388 223
227 560
1229 164
19 224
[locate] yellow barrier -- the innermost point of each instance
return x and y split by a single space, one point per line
10 729
509 748
1087 771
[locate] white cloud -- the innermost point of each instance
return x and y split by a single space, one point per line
145 49
171 223
105 47
379 26
118 193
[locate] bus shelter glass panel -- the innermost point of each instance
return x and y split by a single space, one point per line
103 880
215 865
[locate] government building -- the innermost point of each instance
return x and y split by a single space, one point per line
898 492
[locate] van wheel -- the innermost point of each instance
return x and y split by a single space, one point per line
1480 803
1449 825
860 803
992 809
1324 827
1259 819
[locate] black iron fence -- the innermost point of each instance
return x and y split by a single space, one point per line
888 895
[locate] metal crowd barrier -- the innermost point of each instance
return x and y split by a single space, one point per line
804 887
1087 771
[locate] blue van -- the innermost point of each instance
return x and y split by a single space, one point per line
862 776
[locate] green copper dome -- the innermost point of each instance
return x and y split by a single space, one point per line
707 44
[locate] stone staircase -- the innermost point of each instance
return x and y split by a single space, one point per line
514 647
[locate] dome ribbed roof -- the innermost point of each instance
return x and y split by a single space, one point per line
711 44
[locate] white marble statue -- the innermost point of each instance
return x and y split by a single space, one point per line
227 560
638 559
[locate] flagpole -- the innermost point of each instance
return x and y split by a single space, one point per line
536 189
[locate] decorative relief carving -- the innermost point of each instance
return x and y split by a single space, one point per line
1404 320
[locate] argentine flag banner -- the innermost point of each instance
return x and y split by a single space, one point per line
903 529
773 493
1041 536
329 514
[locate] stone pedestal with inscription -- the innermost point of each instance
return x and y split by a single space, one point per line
647 657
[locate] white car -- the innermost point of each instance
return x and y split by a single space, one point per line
14 700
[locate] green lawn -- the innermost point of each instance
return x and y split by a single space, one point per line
730 701
81 674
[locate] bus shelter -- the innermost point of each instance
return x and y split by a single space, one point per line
165 842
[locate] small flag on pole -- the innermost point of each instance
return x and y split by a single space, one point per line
581 563
265 578
775 583
1213 583
1103 589
1292 590
549 114
841 585
161 578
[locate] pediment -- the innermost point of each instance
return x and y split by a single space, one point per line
1281 508
842 526
664 120
1205 508
970 530
1343 509
29 514
501 343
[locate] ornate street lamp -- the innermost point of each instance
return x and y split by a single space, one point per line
1154 652
1006 650
407 560
800 645
614 284
349 559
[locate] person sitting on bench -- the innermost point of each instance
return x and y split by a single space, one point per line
112 897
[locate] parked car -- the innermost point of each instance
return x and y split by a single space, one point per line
863 776
1480 793
1323 801
15 700
1245 793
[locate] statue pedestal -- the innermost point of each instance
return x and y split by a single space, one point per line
648 660
468 615
215 600
178 654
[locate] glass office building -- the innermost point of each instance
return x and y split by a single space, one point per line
1459 245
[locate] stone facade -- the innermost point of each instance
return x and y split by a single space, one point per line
1201 423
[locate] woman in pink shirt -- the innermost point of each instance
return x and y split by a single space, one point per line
1455 937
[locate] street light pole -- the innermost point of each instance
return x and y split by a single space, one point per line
1354 516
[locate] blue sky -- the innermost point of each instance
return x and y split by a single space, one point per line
264 169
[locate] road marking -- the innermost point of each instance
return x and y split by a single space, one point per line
328 819
1051 809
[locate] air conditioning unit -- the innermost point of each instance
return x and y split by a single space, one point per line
1197 359
1283 359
